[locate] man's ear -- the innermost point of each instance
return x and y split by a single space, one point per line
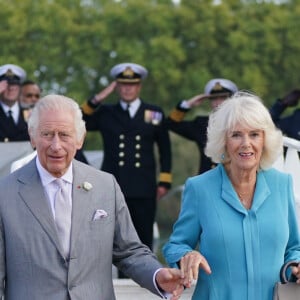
80 143
32 141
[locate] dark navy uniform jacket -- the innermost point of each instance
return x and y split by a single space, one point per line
13 132
289 125
129 146
194 130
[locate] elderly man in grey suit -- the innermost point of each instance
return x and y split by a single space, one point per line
63 223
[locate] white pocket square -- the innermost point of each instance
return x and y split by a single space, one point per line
99 214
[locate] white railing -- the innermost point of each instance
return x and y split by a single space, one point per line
290 163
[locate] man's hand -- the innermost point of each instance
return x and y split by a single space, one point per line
104 93
3 86
196 100
170 281
292 98
190 265
160 192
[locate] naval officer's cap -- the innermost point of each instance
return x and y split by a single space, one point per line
128 73
13 74
220 87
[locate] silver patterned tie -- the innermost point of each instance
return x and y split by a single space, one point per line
63 213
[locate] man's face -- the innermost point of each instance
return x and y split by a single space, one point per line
10 94
55 141
128 91
30 94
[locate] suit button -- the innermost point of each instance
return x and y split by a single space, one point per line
121 154
137 155
121 163
121 136
137 164
121 145
137 146
137 137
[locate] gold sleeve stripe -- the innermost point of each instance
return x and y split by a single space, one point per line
177 115
165 177
87 109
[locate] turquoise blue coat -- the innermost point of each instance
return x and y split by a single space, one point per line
244 248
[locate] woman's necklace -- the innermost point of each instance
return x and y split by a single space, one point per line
245 198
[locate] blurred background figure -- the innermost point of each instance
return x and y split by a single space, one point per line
290 124
30 94
215 91
13 126
131 129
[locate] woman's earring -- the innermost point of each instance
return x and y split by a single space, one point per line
222 156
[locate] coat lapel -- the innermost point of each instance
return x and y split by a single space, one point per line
262 191
80 205
32 193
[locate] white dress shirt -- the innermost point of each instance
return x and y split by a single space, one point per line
134 106
50 187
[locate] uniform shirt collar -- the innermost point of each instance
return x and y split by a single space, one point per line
15 109
134 105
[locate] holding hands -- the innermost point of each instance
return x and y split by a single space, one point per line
190 265
170 281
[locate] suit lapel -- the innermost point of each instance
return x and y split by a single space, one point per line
32 193
80 205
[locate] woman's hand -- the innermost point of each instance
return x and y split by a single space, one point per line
296 272
190 264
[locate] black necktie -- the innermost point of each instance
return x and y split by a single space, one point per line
128 110
10 118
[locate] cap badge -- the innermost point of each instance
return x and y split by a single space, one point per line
128 72
9 73
217 87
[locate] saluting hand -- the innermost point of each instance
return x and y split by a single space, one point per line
292 98
3 86
196 100
105 92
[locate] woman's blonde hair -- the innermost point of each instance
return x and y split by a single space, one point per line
248 110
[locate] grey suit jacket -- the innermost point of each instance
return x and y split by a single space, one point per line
32 266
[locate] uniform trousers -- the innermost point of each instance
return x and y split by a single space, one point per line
142 212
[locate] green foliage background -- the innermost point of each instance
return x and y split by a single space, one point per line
69 46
